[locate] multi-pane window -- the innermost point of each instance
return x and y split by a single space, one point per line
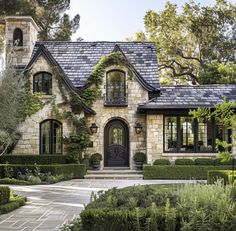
205 136
171 134
115 88
185 134
50 137
42 82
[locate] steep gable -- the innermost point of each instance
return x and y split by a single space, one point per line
77 59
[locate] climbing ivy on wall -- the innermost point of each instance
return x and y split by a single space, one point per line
92 90
30 102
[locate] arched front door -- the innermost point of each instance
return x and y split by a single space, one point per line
116 144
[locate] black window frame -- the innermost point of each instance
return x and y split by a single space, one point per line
108 101
18 34
195 133
51 152
43 90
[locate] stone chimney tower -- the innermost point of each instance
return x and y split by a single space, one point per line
21 35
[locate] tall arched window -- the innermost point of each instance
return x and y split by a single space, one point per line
17 37
115 88
42 82
50 137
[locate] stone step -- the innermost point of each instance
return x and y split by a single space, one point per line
116 168
116 172
114 176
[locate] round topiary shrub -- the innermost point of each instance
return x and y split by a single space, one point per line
184 162
204 161
139 157
161 162
96 157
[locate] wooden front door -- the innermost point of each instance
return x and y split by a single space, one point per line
116 144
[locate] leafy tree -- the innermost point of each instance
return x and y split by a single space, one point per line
139 36
11 92
189 40
49 15
216 72
224 115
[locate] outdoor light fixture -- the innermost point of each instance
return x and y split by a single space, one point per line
138 128
94 128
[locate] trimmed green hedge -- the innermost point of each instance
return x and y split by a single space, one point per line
161 162
4 195
179 172
228 176
32 159
15 203
184 162
78 170
116 220
204 161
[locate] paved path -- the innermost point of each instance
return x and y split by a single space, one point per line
49 206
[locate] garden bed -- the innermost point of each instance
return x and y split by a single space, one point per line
149 208
40 174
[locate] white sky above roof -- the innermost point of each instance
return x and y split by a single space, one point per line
114 20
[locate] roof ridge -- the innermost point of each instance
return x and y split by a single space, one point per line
95 42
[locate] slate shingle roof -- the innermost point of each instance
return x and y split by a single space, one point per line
179 97
77 59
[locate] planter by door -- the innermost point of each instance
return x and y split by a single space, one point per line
116 144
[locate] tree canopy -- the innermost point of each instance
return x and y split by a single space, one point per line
191 40
49 15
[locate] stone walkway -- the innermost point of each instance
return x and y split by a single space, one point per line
49 206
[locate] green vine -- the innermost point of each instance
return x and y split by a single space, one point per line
30 102
93 84
79 140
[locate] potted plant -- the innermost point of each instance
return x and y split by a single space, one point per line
139 158
95 160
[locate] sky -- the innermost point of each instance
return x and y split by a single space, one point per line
115 20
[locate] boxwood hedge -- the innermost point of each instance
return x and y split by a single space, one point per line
32 159
178 172
78 170
4 195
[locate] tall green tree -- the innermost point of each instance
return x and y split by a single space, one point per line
189 40
11 92
49 15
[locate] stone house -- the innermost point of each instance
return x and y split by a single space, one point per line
132 113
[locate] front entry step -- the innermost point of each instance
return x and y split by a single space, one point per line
114 174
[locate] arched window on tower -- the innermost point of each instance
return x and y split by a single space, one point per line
17 37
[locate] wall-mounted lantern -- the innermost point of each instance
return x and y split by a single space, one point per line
94 128
138 128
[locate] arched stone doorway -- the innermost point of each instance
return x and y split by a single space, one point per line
116 144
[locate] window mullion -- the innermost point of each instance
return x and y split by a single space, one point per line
195 135
178 133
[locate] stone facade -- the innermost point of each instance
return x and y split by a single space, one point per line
29 29
30 128
136 94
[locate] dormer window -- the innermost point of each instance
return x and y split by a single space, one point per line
42 82
17 37
115 88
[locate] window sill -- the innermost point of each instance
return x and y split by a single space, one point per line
190 154
115 105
